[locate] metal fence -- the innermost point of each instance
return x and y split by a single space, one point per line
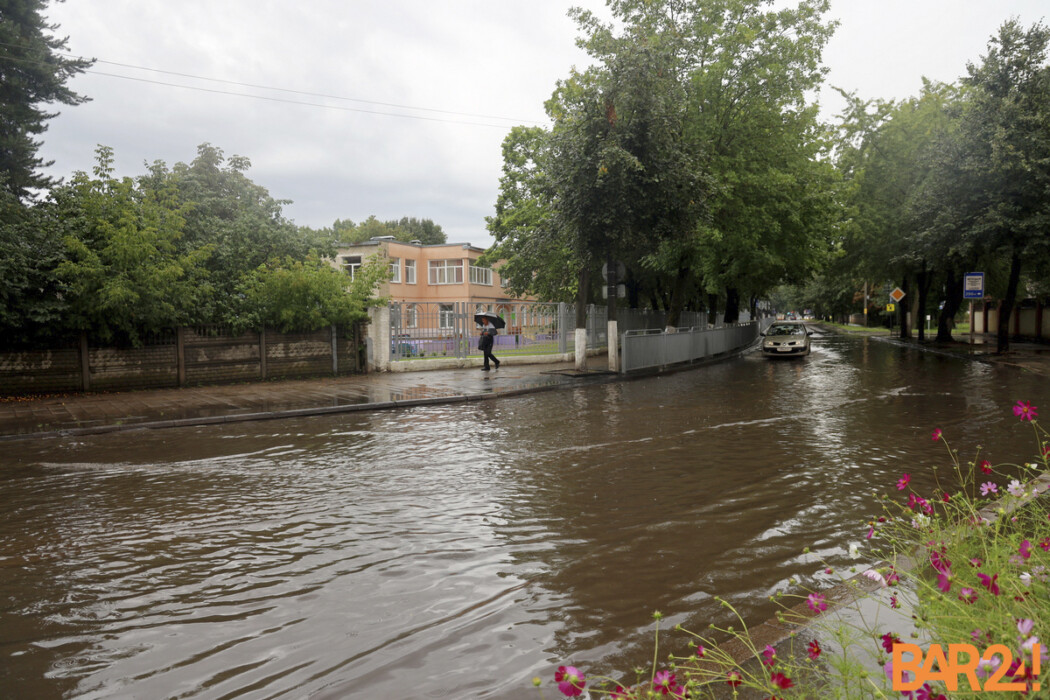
643 349
434 329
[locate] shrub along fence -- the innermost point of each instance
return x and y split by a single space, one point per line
186 357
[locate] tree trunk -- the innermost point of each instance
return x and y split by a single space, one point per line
732 305
674 311
952 301
712 308
923 283
1006 310
580 336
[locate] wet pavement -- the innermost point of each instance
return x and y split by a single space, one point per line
51 415
82 414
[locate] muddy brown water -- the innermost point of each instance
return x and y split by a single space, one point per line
458 551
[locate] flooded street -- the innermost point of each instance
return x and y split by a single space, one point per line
456 551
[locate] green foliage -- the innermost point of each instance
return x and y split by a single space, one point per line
406 229
31 295
33 74
297 295
123 272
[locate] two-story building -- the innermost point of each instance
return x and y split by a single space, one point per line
429 280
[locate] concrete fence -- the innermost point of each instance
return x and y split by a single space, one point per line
1029 319
653 348
189 356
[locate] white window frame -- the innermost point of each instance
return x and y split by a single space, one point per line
351 267
446 313
395 270
411 316
481 275
410 271
445 272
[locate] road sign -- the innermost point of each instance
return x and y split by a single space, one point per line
973 285
890 308
897 294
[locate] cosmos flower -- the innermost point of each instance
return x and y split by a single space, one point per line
570 681
1025 410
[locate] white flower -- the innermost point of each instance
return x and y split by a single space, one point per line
920 522
854 551
1026 579
1015 488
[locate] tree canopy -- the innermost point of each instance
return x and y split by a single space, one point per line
33 75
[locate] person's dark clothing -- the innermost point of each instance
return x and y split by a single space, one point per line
488 338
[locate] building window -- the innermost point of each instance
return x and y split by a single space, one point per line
395 269
410 272
480 275
445 313
411 319
446 272
351 263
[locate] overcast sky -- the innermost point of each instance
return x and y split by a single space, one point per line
398 108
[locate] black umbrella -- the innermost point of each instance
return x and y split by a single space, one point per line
480 318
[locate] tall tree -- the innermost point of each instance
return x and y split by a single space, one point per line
1006 163
33 73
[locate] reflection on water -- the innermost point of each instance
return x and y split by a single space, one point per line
457 551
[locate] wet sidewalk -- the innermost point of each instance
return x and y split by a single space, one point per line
82 414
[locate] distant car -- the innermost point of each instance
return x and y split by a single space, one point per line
786 339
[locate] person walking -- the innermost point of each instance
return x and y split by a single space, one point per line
488 339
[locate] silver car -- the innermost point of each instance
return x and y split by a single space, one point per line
786 339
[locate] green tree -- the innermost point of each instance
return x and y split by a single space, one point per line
33 74
32 300
232 222
304 295
123 273
1004 162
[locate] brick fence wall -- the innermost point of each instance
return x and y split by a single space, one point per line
193 356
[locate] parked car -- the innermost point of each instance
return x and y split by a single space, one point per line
786 339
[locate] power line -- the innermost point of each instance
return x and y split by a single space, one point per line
287 90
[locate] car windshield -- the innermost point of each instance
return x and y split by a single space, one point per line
785 330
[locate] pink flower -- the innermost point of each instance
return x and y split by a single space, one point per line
945 497
814 650
781 681
1045 544
875 576
620 693
944 581
989 487
1025 626
1026 549
976 563
768 655
968 595
989 582
700 651
936 435
893 602
871 533
1025 410
902 483
733 678
570 681
664 681
927 693
939 562
892 579
888 640
986 467
817 602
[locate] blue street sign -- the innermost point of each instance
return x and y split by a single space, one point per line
973 285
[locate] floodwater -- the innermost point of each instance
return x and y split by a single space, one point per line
458 551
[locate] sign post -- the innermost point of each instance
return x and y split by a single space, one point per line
973 288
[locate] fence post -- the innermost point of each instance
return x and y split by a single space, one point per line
180 354
563 344
335 352
262 354
379 339
85 362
